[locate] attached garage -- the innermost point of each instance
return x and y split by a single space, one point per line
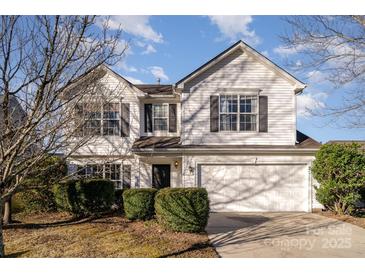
256 187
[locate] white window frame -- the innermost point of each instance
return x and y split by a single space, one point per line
101 119
167 117
103 172
248 113
238 95
109 119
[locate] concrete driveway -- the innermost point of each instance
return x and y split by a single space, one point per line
284 235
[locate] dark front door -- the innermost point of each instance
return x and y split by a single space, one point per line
160 176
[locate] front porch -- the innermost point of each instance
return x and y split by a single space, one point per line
160 171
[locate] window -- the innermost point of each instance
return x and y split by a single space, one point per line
111 119
90 171
112 172
100 119
248 113
234 108
228 112
160 117
107 171
92 116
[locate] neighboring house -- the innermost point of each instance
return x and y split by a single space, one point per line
229 126
16 112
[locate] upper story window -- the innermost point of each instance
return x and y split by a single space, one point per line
100 119
111 119
160 117
234 108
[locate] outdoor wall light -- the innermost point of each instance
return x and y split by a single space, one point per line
191 170
176 164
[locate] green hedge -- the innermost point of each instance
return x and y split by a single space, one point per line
183 209
84 197
139 203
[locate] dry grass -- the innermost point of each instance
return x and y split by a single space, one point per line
359 221
59 235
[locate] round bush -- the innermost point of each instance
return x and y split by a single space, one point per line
139 203
85 197
183 209
340 172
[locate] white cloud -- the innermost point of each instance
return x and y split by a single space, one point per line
309 102
137 25
124 66
316 76
149 49
298 63
134 80
285 51
158 73
235 27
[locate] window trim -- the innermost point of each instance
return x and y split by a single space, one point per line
103 172
167 118
238 95
101 119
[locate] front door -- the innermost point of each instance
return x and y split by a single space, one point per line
160 176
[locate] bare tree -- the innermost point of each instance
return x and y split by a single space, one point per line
335 46
41 58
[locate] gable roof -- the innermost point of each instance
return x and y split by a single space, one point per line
98 72
299 85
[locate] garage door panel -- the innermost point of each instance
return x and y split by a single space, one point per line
255 187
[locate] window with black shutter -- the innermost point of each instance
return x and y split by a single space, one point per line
172 118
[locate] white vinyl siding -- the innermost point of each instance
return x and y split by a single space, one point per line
238 74
109 145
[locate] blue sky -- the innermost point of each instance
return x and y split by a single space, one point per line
170 47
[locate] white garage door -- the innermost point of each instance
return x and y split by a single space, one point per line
255 187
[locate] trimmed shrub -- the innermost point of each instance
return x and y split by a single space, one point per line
36 193
139 203
183 209
340 172
84 197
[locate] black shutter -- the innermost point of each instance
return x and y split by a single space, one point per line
124 125
126 176
148 117
263 124
214 113
79 120
172 118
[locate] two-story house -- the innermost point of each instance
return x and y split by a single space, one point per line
229 126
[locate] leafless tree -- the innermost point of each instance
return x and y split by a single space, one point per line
41 58
335 46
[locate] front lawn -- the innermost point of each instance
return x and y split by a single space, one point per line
59 235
